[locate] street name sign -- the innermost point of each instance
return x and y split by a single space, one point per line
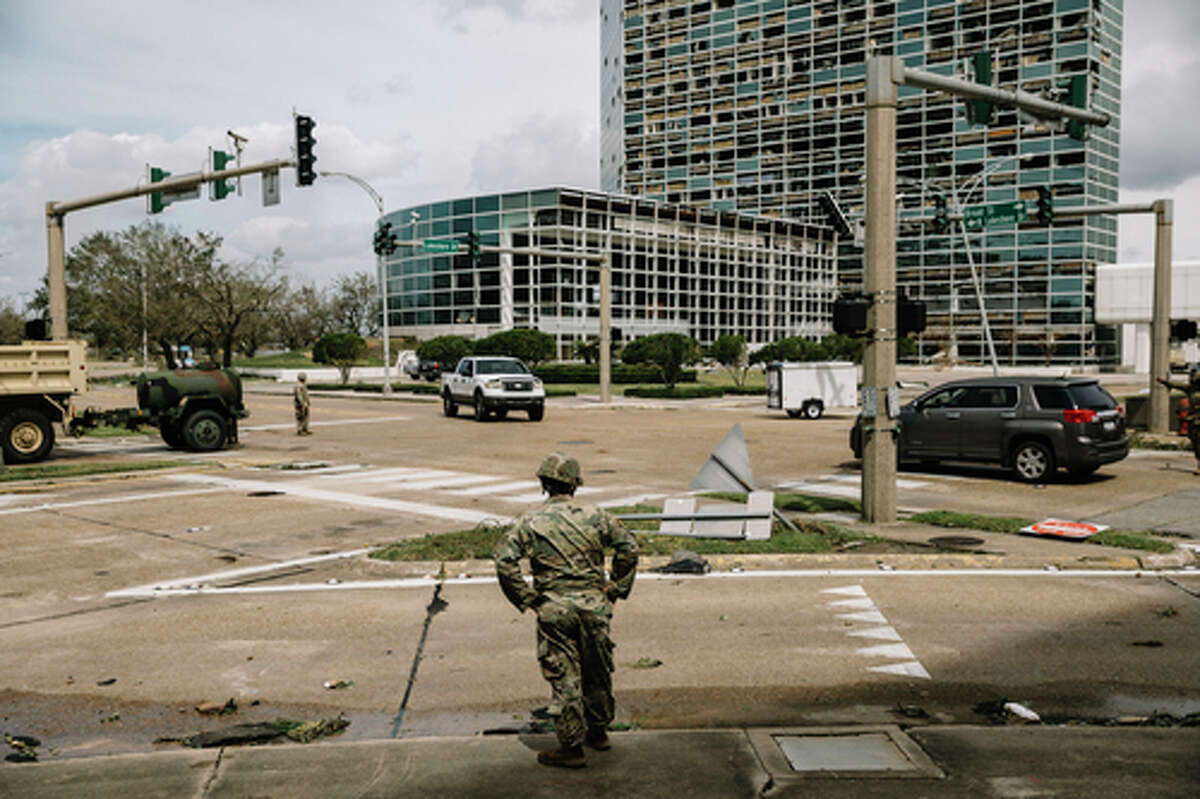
440 245
981 216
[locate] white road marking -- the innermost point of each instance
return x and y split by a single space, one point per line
899 650
343 498
326 423
106 500
872 616
634 499
499 488
842 485
847 590
858 604
878 633
398 471
910 669
539 495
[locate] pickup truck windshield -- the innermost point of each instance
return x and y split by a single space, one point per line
500 367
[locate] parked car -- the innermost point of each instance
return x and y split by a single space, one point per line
429 370
493 385
1032 425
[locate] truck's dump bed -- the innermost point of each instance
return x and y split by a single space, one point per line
43 367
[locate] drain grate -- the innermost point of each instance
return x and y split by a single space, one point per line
956 541
873 751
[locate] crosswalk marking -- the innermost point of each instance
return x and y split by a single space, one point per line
499 488
908 666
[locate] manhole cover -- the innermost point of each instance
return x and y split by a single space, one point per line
793 755
870 752
264 493
956 541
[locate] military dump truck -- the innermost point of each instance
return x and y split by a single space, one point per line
38 380
194 409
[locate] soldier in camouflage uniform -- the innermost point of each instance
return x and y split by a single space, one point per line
1192 389
565 540
300 401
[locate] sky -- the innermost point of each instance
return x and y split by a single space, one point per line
424 99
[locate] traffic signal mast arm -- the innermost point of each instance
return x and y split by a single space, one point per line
169 185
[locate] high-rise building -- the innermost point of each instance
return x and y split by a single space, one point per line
758 105
675 269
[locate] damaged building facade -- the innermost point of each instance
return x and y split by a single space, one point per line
697 271
758 106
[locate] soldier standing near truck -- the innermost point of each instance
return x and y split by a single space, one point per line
1192 389
300 401
565 541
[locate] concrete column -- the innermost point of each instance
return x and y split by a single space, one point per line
1160 319
879 360
57 273
606 328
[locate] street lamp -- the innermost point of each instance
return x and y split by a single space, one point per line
379 276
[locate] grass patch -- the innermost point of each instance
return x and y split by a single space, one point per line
279 360
50 471
676 392
478 543
803 503
1123 539
1139 440
107 431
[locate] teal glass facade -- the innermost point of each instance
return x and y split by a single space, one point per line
758 106
674 269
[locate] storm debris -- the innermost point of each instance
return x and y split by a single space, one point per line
334 685
24 748
263 732
108 681
646 663
685 561
217 708
1152 644
1002 711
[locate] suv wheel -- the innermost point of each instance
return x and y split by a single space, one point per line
481 413
449 406
1032 461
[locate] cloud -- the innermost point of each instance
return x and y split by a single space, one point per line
521 10
540 151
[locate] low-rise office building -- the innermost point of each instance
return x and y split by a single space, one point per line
701 272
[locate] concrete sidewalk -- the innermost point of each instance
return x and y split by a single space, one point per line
951 761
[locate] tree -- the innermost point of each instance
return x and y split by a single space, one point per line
444 349
792 348
342 350
301 317
12 325
530 346
730 352
669 352
588 349
356 305
229 297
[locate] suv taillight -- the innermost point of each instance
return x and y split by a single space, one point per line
1080 415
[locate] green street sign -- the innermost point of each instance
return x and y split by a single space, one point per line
981 216
440 245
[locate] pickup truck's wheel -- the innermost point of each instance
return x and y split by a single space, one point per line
204 431
449 406
481 413
26 436
172 436
811 410
536 412
1032 461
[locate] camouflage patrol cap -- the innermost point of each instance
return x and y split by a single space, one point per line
302 377
559 467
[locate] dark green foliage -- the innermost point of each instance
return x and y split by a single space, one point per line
669 352
530 346
342 350
675 392
620 373
730 352
444 349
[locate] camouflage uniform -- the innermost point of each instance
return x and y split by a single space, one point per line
564 541
1192 389
300 401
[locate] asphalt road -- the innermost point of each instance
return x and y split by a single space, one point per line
83 557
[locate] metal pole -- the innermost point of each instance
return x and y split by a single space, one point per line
879 360
56 274
1160 366
987 328
1046 109
605 331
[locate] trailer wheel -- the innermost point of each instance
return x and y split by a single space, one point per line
794 413
812 410
26 436
204 431
172 436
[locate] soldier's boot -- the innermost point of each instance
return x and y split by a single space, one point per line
570 757
598 740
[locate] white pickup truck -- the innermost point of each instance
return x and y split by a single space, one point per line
493 384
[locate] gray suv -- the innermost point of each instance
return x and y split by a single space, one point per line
1032 425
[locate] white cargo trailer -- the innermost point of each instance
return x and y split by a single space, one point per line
808 389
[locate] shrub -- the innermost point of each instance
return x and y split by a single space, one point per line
620 373
675 392
530 346
669 352
342 350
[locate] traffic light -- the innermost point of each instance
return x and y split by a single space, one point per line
837 220
217 161
155 203
305 174
1077 91
979 112
1045 206
941 218
910 317
383 239
1183 329
473 246
850 315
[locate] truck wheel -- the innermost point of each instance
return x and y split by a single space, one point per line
171 435
481 413
811 410
204 431
1032 461
536 412
449 406
26 436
